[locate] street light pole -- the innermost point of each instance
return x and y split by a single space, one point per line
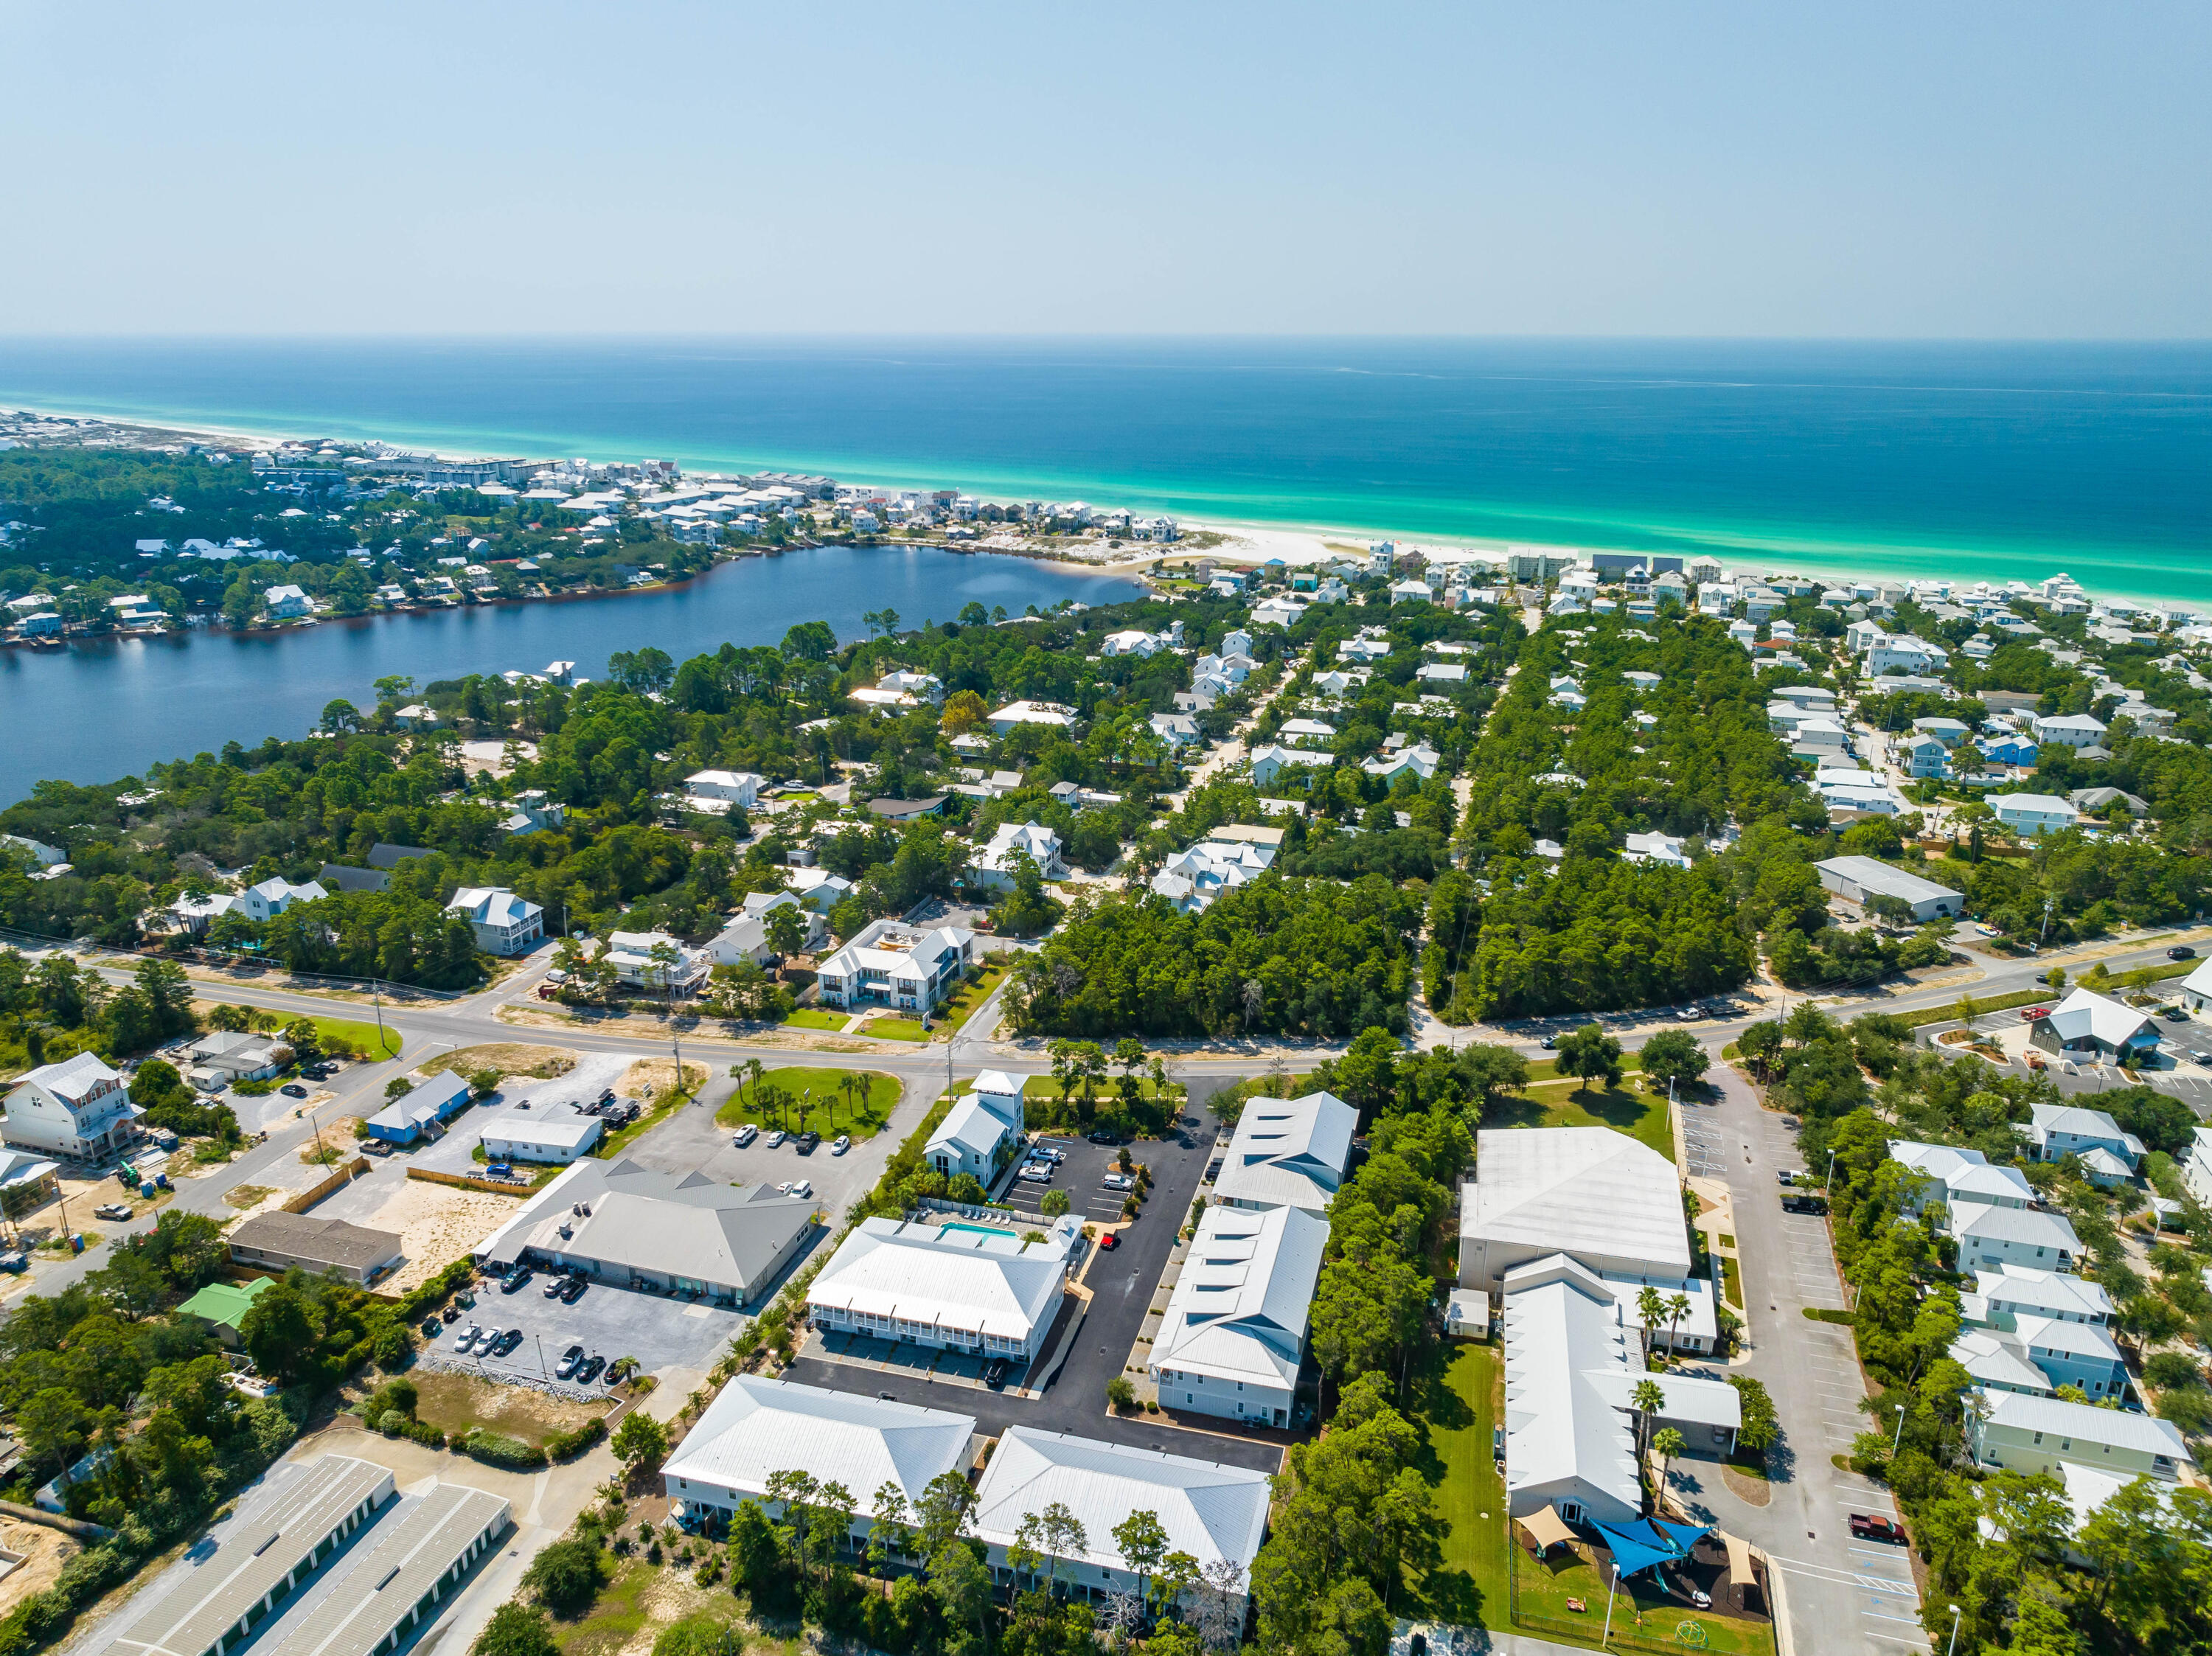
1609 1593
1828 1186
1898 1437
1951 1649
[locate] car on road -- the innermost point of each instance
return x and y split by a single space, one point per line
293 1089
111 1211
745 1135
571 1360
1873 1526
807 1141
1037 1173
841 1143
1109 1242
2181 951
516 1280
1118 1181
775 1138
995 1375
573 1291
1548 1044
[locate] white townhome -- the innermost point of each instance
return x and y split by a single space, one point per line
889 963
1236 1325
711 790
2030 1433
1288 1153
1217 1514
273 896
981 1130
504 924
911 1283
994 866
77 1107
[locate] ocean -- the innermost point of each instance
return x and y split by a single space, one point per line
1967 461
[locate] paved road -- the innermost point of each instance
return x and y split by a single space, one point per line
1842 1595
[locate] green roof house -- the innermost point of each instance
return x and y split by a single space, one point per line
225 1305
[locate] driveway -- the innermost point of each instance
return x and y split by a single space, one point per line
1842 1595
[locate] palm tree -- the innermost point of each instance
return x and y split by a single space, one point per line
1651 1307
1649 1400
1678 1306
1668 1443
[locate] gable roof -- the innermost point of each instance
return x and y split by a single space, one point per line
725 1234
758 1428
2085 1421
1560 1337
71 1079
2053 1291
995 1285
1211 1512
1288 1152
1238 1310
2085 1014
2030 1227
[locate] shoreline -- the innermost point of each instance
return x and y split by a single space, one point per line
1300 542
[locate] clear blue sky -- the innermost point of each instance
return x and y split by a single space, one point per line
1957 170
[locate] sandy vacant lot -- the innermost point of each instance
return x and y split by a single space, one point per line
45 1551
437 1225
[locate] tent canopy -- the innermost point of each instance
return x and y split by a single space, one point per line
1546 1527
1637 1547
1739 1556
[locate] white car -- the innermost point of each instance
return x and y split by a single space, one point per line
468 1339
1118 1181
1037 1172
801 1188
775 1139
745 1135
839 1145
1047 1153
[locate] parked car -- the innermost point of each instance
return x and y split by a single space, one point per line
801 1188
571 1360
293 1089
1118 1181
775 1138
507 1342
554 1285
1784 1175
111 1211
1101 1136
432 1328
573 1291
1037 1173
1109 1242
842 1143
1872 1526
1043 1152
808 1141
467 1343
745 1135
2181 951
589 1369
995 1375
515 1281
2029 1014
1804 1204
2173 1014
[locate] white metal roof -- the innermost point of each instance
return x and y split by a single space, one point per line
970 1127
1288 1152
1559 1425
943 1279
2084 1423
1238 1310
1582 1190
758 1428
2020 1286
1871 874
1211 1512
2030 1226
2085 1013
1994 1358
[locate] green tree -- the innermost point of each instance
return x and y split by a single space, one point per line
516 1629
1589 1054
640 1441
1674 1055
51 1423
564 1577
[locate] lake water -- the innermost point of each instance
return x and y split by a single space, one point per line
95 712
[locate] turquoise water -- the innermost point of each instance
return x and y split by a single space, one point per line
1964 460
981 1230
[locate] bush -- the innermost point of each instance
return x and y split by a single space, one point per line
562 1445
565 1576
1122 1394
516 1630
495 1450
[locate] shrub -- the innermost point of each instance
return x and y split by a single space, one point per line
562 1445
1122 1394
494 1450
516 1630
565 1576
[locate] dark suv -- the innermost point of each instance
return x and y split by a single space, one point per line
513 1283
807 1141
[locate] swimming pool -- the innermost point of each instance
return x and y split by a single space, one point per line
984 1230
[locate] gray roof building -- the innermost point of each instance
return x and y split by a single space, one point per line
631 1226
418 1553
1855 879
278 1240
276 1542
336 876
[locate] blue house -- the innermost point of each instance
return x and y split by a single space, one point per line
2009 750
431 1104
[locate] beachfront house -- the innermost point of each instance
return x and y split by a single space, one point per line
504 924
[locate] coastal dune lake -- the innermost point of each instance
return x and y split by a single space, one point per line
93 713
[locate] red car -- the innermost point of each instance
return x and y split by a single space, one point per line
2029 1014
1109 1242
1868 1526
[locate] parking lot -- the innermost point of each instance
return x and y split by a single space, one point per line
660 1333
1080 1175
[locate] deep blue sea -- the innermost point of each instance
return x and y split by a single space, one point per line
1974 460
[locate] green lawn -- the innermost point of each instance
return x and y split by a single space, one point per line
816 1099
362 1035
959 1008
1469 1585
894 1030
1732 1289
809 1018
1548 1069
1641 1611
1641 1115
